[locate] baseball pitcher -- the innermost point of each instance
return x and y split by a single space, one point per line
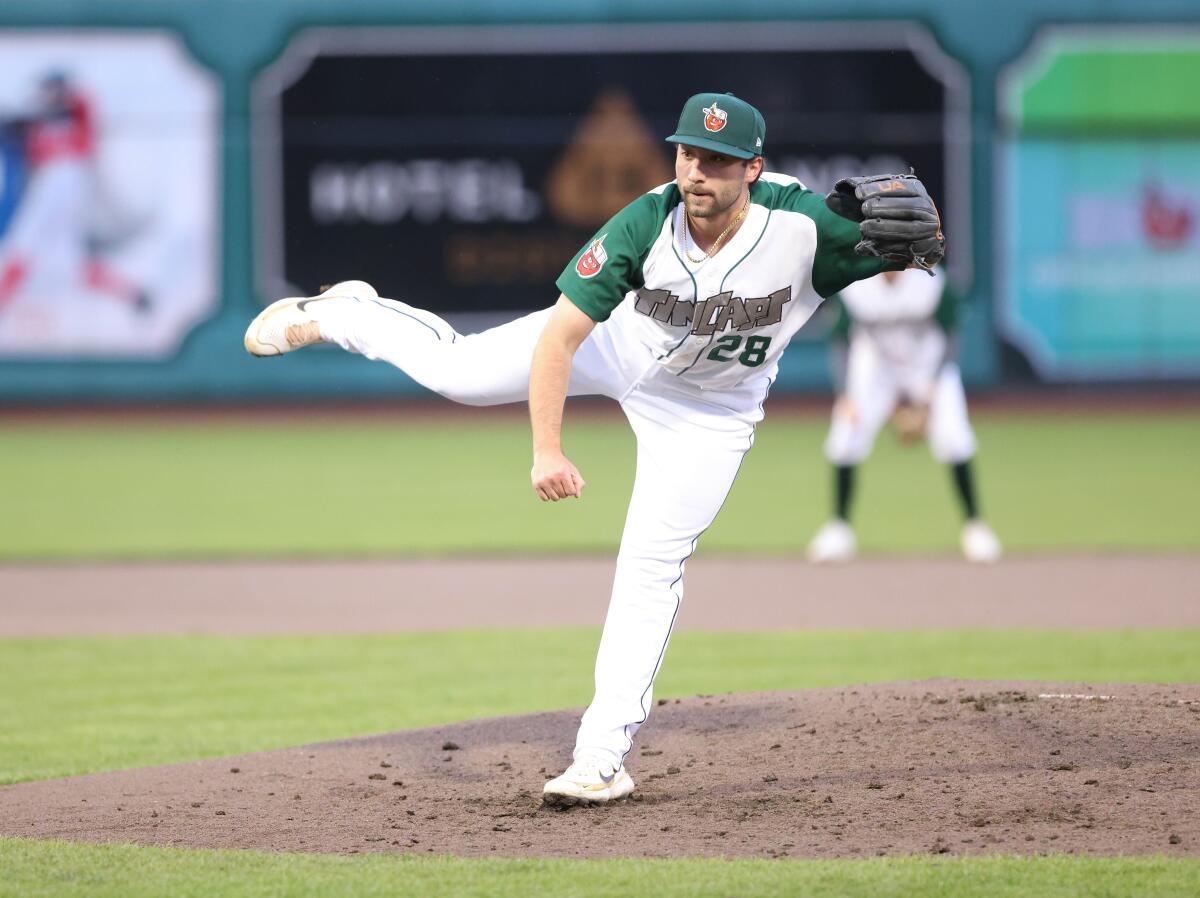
678 309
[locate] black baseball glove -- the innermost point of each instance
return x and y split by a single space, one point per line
897 218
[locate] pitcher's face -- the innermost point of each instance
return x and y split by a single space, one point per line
711 182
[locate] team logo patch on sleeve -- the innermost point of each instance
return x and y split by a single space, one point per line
715 118
593 260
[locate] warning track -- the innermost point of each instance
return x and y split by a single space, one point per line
1078 592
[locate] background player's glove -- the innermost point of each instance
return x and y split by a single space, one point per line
898 220
911 420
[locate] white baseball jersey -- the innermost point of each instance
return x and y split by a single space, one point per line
899 350
717 322
910 296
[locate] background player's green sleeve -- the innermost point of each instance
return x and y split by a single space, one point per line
947 312
841 324
610 264
839 343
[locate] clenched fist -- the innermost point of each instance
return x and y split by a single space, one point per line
554 477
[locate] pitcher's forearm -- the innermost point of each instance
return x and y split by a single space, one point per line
550 372
548 380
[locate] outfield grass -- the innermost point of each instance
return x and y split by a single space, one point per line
121 871
73 706
79 705
1077 482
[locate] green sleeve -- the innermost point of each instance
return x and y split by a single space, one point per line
836 264
947 312
610 264
841 325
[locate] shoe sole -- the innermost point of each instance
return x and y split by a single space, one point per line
266 350
562 800
556 800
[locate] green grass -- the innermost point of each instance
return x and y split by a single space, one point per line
78 705
72 706
123 871
1077 482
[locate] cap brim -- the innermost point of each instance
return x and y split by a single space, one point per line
714 145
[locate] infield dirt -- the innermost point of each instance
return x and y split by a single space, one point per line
938 766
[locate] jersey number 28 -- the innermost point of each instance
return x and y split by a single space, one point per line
752 356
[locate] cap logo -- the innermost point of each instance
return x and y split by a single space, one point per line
715 118
593 260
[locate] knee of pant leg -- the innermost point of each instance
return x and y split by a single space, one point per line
464 396
650 563
439 384
951 446
446 374
846 444
651 578
462 373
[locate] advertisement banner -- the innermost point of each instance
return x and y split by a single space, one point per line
108 194
461 169
1104 271
1100 246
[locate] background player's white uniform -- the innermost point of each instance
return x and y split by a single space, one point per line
900 352
689 351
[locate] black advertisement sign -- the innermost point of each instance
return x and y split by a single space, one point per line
461 169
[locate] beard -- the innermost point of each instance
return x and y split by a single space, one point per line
709 204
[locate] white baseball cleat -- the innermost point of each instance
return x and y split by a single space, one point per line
590 779
979 543
834 542
291 323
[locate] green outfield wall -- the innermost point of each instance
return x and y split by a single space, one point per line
208 205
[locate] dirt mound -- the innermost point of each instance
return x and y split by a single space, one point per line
939 766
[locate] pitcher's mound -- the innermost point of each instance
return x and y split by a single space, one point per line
939 766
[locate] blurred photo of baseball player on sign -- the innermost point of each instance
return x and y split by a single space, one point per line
893 342
53 226
678 309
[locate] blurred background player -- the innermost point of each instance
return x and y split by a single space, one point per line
53 225
894 341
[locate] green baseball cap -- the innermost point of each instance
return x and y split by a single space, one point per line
721 123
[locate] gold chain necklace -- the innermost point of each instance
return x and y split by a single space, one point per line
737 219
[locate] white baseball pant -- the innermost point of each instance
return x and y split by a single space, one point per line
874 385
690 445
